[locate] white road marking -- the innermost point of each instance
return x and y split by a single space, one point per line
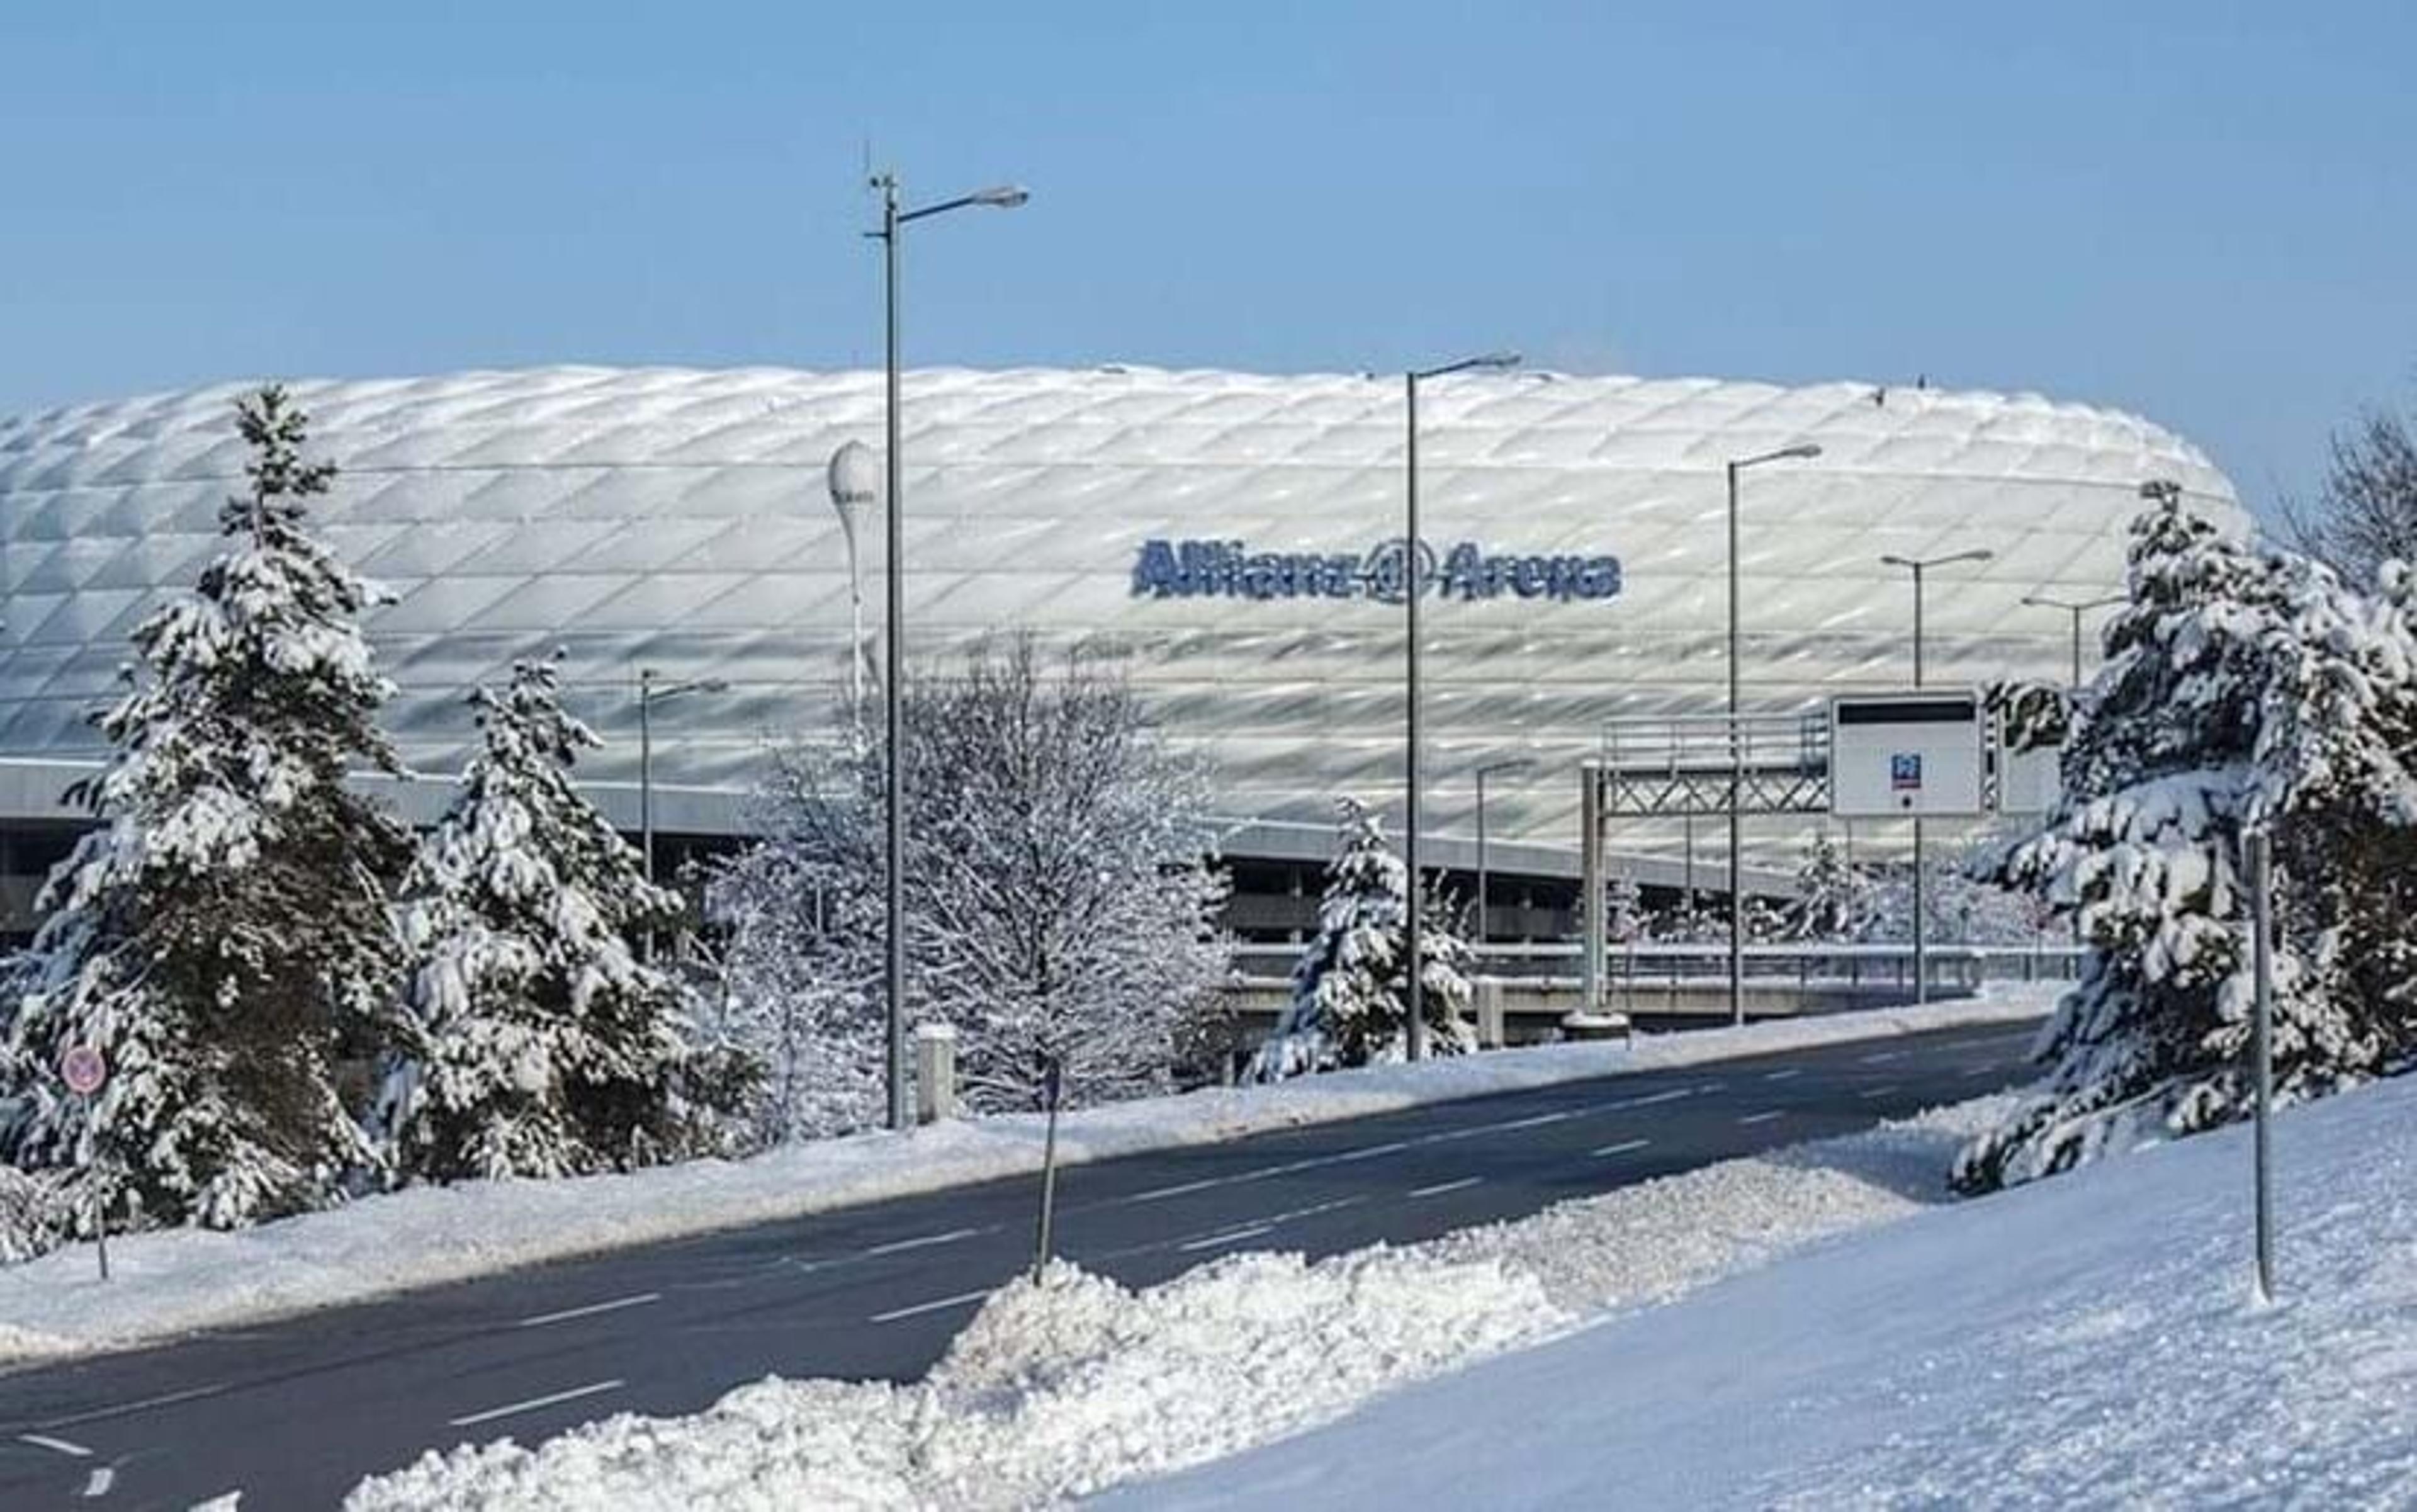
1670 1096
1372 1151
1761 1118
98 1482
1782 1076
141 1404
1228 1236
1623 1147
592 1389
1986 1071
43 1440
590 1310
1439 1188
1868 1093
1263 1172
920 1241
1534 1121
1879 1059
933 1305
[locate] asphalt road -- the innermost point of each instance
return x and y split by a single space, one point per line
294 1414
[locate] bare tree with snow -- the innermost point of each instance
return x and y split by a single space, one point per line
223 937
1059 898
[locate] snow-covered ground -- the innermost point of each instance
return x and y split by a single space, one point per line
2090 1340
178 1280
1074 1385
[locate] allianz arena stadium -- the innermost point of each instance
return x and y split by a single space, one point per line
1235 535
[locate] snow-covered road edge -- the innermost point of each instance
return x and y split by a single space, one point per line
174 1282
1070 1385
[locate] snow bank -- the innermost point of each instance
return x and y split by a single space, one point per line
1062 1388
174 1281
2088 1341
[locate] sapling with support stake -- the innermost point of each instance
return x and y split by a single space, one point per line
1052 1081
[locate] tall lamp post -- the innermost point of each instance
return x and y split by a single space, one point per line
1515 764
853 480
1802 451
894 976
1413 586
2041 601
652 690
1919 566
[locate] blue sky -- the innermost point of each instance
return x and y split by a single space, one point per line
2199 211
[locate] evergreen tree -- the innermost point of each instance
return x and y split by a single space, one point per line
530 1040
2241 690
1350 987
1833 900
223 935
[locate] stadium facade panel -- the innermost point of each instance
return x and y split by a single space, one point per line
1235 535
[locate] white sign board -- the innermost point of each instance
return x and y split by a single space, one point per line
1906 755
2027 781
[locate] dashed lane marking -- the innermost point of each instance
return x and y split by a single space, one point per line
1782 1076
933 1305
1761 1118
99 1481
1868 1093
1623 1147
920 1241
1439 1188
1225 1237
166 1398
590 1310
595 1388
1879 1059
43 1440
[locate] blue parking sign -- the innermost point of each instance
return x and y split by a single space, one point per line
1904 771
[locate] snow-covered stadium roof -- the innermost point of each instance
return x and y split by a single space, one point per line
682 520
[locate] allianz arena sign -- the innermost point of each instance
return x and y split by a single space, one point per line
1230 569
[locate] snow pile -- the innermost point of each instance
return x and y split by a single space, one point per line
1653 1242
1067 1387
177 1281
1056 1389
2090 1340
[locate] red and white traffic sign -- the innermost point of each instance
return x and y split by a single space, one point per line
83 1070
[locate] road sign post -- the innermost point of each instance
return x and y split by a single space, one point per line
84 1070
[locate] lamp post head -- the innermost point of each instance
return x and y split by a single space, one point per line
855 480
1804 451
1496 361
1001 196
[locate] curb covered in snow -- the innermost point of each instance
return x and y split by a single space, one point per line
179 1280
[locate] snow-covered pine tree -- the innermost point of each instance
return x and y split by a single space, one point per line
223 937
529 1038
2240 688
1833 899
1350 990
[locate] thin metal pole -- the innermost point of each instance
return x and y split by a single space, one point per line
854 642
1737 784
1052 1077
893 670
1480 861
2076 646
2261 904
1411 585
1920 918
646 794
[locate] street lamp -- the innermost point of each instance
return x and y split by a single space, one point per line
1801 452
1413 586
1919 566
2041 601
853 480
651 691
894 977
1515 764
2162 491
